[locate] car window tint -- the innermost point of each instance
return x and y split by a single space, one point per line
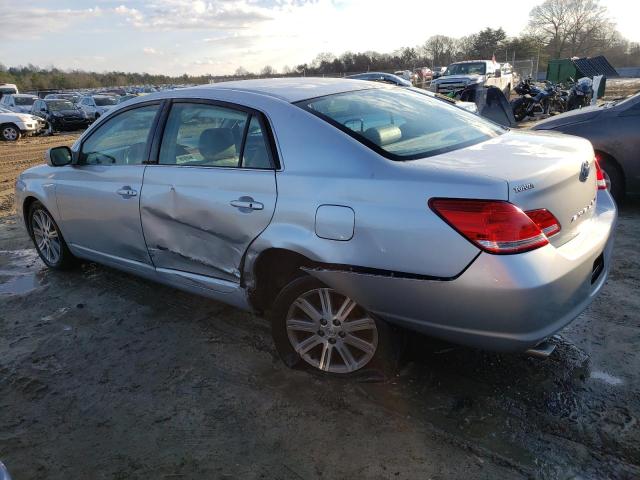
122 140
203 135
256 150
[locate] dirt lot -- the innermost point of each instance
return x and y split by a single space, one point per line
104 375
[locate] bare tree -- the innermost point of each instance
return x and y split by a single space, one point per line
241 72
267 71
571 27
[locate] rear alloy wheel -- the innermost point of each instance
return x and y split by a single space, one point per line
10 133
315 325
47 238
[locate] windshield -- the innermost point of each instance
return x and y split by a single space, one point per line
57 105
24 100
102 101
4 90
401 124
479 68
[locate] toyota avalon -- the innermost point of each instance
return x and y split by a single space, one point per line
339 208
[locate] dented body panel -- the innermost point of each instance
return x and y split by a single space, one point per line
189 223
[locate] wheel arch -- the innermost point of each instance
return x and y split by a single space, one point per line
269 271
612 159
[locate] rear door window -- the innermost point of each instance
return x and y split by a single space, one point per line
200 134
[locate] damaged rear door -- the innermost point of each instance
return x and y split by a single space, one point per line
211 192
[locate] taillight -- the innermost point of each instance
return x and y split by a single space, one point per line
545 221
496 226
600 180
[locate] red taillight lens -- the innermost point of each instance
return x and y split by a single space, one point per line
494 226
600 180
545 221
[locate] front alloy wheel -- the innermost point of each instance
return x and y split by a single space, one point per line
47 238
10 133
331 332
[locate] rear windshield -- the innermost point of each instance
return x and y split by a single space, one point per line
102 101
24 100
479 68
401 124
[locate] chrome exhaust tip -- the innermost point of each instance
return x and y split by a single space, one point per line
542 350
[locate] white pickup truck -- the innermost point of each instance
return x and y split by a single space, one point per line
474 73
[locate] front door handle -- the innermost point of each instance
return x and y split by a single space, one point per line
247 203
127 192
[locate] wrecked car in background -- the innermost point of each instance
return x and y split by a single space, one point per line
287 196
60 115
613 128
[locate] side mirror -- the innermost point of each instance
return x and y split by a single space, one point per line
58 156
498 73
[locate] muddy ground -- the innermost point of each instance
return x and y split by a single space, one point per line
104 375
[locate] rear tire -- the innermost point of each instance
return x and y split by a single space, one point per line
349 341
10 133
48 240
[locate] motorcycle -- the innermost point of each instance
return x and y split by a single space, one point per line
533 99
580 93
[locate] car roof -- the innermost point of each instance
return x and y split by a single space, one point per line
23 95
293 89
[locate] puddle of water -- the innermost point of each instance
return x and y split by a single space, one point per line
606 377
18 269
19 285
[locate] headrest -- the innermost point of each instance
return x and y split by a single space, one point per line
217 144
383 135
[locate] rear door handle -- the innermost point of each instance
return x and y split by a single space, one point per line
127 192
247 203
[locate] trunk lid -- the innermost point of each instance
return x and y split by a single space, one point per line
542 170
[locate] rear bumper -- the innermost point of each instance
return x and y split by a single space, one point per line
500 302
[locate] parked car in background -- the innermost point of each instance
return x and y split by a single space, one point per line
406 74
287 196
14 125
60 115
382 77
613 128
97 105
423 74
72 97
476 74
18 102
8 89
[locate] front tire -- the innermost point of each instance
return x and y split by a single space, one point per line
315 326
48 239
10 133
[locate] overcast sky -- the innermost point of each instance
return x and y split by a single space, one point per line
217 36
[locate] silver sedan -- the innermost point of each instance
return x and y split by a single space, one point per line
339 208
